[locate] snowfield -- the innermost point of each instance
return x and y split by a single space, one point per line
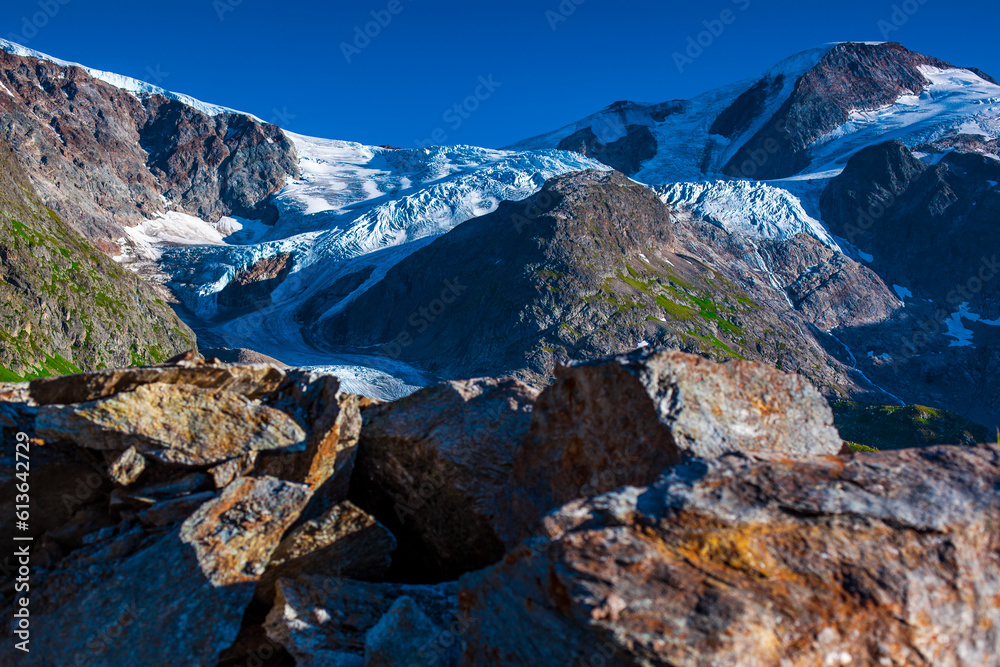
956 102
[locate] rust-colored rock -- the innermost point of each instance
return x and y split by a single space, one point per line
264 508
176 424
622 421
132 598
332 422
759 560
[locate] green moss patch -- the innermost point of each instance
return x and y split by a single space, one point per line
887 427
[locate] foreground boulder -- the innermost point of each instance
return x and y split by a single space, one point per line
194 479
136 599
622 421
433 466
706 408
463 471
324 622
759 560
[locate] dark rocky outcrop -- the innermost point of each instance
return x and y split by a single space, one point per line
625 154
749 106
214 166
969 143
829 288
588 267
930 228
251 288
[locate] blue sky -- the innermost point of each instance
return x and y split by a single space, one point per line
535 65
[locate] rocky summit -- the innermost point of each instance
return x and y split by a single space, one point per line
651 508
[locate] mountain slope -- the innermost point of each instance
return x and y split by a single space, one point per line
589 266
67 306
107 156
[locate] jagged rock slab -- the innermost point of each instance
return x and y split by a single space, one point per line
759 560
250 381
433 467
344 542
324 621
331 419
180 425
182 598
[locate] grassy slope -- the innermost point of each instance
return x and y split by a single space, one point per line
64 305
893 427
